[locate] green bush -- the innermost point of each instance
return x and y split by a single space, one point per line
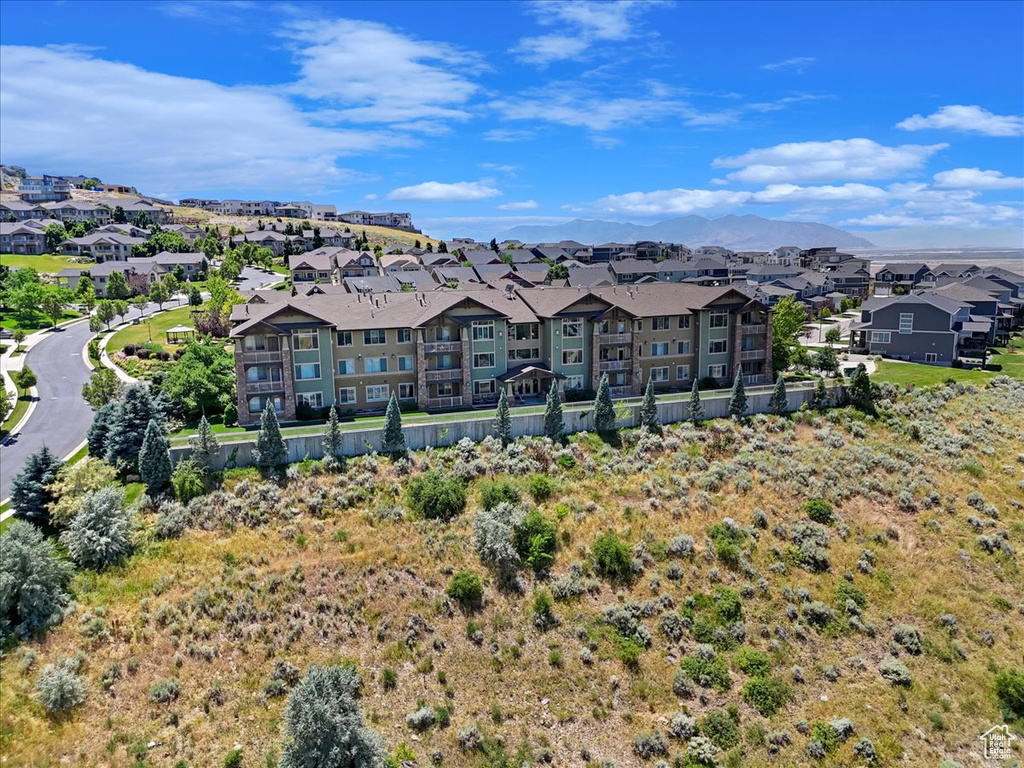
611 556
753 662
727 603
465 588
436 497
534 540
819 510
707 673
389 679
496 492
187 481
541 487
845 592
233 759
59 689
827 735
1009 686
720 729
164 691
766 694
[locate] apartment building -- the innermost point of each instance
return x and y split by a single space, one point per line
23 237
446 349
102 246
41 189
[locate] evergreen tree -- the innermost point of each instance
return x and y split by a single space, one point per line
819 400
269 450
604 409
125 435
649 410
779 404
861 394
332 436
30 494
34 579
503 420
100 532
393 439
738 401
554 423
154 458
696 407
99 430
205 448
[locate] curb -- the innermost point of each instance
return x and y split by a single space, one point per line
108 363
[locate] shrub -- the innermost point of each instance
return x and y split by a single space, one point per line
819 510
541 488
33 581
492 538
498 492
421 719
895 672
708 673
720 729
534 539
680 546
648 745
59 689
470 739
325 725
164 691
233 759
909 637
389 679
682 726
1009 687
818 614
766 694
701 751
99 535
465 588
753 662
682 685
611 556
436 497
865 749
543 619
187 481
171 521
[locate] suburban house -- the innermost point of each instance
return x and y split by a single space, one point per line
134 207
23 237
42 189
921 328
102 246
455 349
16 210
315 266
192 265
78 210
899 277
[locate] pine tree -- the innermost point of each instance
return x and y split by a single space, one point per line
696 407
155 458
503 420
332 436
125 433
393 439
738 401
779 404
861 394
30 492
604 409
269 450
554 423
205 448
819 400
649 410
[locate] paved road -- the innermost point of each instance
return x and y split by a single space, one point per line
816 334
61 417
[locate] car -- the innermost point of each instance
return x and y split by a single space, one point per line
6 334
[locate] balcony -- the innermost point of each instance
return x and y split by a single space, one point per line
614 365
757 378
752 354
444 374
254 358
626 391
615 338
444 402
441 347
753 330
264 386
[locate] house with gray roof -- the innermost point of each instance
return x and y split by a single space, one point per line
919 327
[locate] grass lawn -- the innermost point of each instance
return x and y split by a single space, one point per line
926 375
24 398
156 325
48 263
35 322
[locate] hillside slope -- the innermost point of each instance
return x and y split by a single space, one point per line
327 568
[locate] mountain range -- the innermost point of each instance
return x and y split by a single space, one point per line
738 233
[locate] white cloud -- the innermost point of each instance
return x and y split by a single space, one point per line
370 196
507 135
846 193
509 169
439 192
374 74
673 202
975 178
826 161
63 109
969 119
580 25
524 205
797 64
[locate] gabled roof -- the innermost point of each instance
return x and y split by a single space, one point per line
962 292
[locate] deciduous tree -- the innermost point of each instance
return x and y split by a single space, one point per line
102 387
787 324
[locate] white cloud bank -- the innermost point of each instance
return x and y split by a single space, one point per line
522 205
975 178
967 119
579 25
440 192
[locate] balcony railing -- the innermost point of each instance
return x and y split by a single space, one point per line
615 338
444 374
444 402
757 329
752 354
264 386
252 358
614 365
441 347
757 378
621 391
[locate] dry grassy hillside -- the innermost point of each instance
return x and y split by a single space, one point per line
330 567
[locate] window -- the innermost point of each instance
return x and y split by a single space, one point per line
346 395
684 322
404 335
310 399
639 325
446 389
483 330
483 387
659 324
378 393
375 365
572 357
346 367
261 344
719 320
659 349
683 348
378 336
405 362
881 337
659 375
525 332
931 357
524 354
263 373
306 338
716 371
906 322
682 373
307 371
483 360
717 346
344 338
257 404
574 382
572 327
406 392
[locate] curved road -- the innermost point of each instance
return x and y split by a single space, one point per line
61 417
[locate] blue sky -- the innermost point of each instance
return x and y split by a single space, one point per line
480 116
